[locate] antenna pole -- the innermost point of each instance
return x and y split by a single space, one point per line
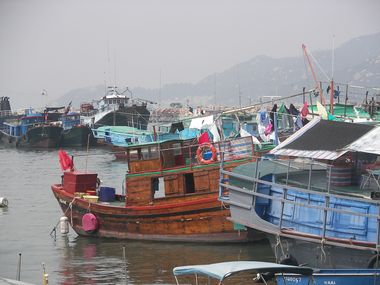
332 78
159 92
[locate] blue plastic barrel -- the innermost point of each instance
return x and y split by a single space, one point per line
106 194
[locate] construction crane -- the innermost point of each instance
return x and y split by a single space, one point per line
318 87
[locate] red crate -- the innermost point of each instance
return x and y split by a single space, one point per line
75 181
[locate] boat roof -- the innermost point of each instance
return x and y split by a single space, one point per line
115 96
223 270
323 139
124 129
13 282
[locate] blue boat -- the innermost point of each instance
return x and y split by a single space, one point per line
332 277
31 130
247 272
316 197
74 132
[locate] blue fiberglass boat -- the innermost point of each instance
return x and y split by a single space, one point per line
317 198
249 272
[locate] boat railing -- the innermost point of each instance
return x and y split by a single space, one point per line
287 168
249 185
168 156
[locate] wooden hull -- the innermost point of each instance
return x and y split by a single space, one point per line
197 220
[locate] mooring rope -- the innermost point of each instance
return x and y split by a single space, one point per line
278 244
323 253
71 218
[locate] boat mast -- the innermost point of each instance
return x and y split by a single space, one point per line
332 80
318 87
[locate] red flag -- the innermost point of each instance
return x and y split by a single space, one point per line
65 160
203 138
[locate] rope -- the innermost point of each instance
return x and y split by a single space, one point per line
278 244
71 214
323 253
89 207
224 206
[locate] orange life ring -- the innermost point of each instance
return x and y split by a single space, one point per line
201 149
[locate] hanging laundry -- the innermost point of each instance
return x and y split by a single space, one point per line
322 111
293 110
305 110
268 129
282 117
299 121
262 122
274 110
290 118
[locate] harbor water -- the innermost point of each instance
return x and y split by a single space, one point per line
25 227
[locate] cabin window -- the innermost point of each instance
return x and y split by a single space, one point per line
153 152
189 183
149 153
145 153
177 149
158 187
133 154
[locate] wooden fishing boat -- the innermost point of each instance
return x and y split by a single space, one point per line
171 194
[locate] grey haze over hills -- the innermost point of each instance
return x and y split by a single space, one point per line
357 62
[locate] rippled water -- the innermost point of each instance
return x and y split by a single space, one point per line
25 179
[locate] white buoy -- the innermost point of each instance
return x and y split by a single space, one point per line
64 225
3 202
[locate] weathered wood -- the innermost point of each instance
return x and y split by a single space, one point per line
189 210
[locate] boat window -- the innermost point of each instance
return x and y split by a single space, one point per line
158 187
133 154
153 152
145 153
189 183
177 149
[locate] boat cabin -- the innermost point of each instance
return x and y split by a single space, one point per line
179 168
19 129
70 120
113 100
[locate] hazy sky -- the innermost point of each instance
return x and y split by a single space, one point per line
67 44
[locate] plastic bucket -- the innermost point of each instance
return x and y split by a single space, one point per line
106 194
207 155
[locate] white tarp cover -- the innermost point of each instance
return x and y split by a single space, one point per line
369 143
199 123
222 270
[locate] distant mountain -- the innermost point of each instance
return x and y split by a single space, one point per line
357 62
